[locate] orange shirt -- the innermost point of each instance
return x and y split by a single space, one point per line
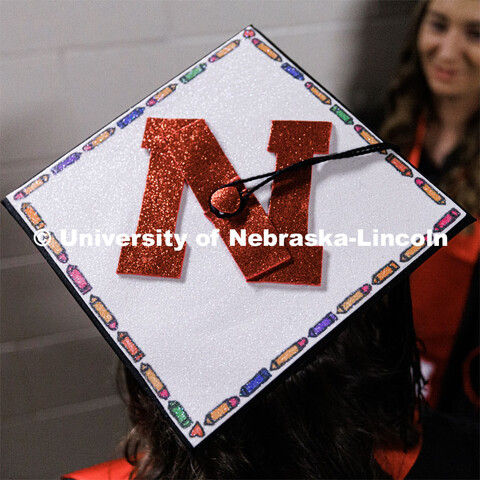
439 290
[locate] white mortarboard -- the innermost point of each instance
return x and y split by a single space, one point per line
208 326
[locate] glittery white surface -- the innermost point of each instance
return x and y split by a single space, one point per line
210 332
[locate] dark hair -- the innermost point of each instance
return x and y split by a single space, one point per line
358 393
408 97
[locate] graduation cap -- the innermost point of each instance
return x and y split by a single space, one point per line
211 288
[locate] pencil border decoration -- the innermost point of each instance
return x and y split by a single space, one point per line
132 354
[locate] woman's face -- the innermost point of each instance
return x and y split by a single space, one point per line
449 48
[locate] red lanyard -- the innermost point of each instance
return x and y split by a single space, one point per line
416 153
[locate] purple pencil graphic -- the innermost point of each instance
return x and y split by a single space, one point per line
322 325
65 163
446 220
78 279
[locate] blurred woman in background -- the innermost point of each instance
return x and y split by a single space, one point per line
433 115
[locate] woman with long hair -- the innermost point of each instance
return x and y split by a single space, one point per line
355 408
433 115
351 412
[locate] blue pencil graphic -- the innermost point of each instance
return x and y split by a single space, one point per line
127 120
292 71
322 325
261 377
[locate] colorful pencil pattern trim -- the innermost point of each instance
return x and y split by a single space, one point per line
221 410
154 380
224 51
356 297
33 216
266 50
428 190
78 279
57 248
106 134
103 312
255 383
396 163
179 413
288 354
31 187
322 325
385 272
161 95
318 93
193 73
130 346
446 220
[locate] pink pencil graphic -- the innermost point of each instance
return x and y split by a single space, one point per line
78 279
446 220
219 412
31 187
367 136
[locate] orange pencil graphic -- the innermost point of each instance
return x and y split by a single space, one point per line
57 248
411 251
433 194
33 216
389 269
165 92
219 412
31 187
155 382
354 298
267 50
197 431
99 139
367 136
319 94
130 346
103 312
399 165
227 49
288 354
